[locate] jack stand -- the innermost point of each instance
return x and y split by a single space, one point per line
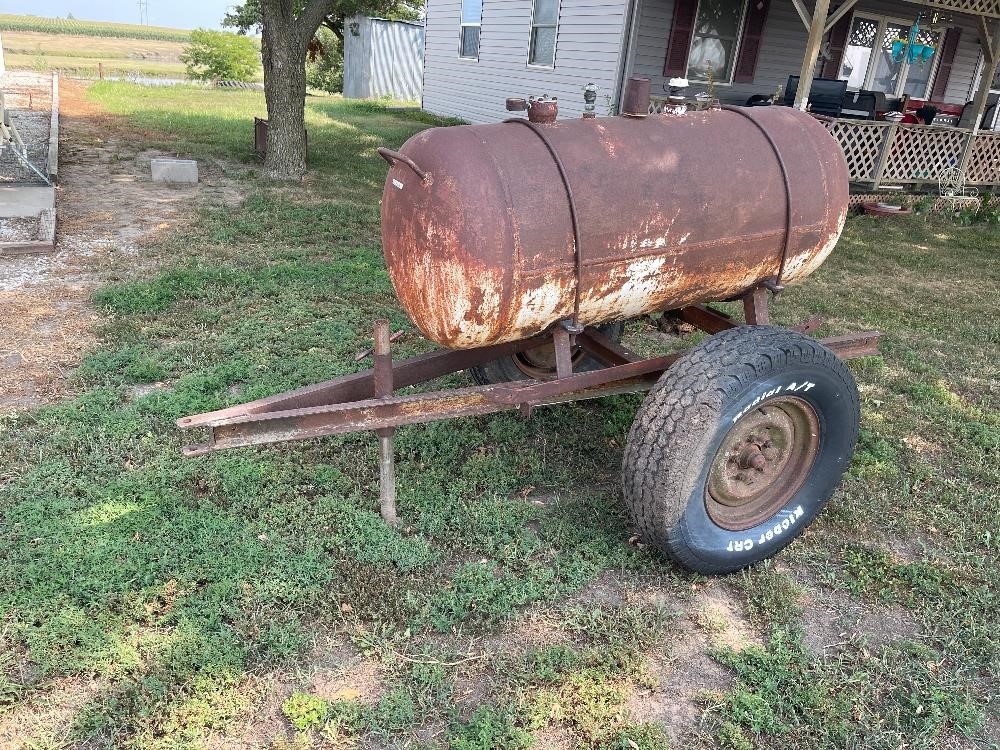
382 375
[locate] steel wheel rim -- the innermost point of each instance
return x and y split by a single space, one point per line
763 460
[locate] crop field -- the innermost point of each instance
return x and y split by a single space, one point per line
83 56
254 598
86 57
76 27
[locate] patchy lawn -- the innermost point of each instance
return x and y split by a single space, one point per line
254 598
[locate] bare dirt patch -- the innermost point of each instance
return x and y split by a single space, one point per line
108 211
687 678
45 719
832 620
336 671
333 669
554 738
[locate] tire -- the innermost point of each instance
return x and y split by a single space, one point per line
691 460
508 369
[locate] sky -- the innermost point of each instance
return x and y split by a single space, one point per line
181 14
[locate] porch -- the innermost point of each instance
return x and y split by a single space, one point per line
882 153
764 42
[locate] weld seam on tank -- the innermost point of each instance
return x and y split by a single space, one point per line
577 251
784 176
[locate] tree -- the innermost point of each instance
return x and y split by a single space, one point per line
219 55
288 34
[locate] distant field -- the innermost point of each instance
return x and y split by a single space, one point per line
80 55
88 56
11 22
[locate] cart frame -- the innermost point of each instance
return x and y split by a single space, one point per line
365 401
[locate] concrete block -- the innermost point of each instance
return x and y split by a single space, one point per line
25 200
175 171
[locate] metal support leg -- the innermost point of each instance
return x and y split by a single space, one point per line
382 375
564 352
755 307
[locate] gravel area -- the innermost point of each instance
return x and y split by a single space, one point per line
32 125
28 99
20 228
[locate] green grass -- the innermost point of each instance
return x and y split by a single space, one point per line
79 27
202 594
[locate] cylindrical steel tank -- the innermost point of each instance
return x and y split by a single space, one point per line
478 231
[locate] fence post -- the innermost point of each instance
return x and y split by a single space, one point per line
883 156
970 144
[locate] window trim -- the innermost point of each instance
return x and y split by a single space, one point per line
737 44
883 21
555 41
462 25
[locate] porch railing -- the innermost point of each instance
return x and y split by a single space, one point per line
882 152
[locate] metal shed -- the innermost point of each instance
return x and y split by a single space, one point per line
383 58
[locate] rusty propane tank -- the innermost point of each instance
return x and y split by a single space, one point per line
493 233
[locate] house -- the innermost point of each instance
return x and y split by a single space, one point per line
479 52
382 58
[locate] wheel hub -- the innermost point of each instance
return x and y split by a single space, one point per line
540 362
762 462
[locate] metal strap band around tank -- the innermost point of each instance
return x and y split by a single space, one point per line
784 176
578 255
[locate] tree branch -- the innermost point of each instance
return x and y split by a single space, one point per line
336 26
311 17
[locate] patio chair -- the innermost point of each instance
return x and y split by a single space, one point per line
826 95
952 188
989 114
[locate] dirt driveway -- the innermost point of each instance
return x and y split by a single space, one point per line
107 210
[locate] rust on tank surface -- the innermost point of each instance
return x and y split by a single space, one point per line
671 212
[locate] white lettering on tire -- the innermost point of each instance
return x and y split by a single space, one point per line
794 387
780 527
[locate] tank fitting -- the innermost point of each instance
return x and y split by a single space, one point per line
635 103
541 109
589 98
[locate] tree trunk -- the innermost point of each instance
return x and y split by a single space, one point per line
284 58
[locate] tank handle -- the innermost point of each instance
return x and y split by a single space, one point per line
394 156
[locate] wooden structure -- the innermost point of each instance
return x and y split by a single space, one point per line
820 21
879 153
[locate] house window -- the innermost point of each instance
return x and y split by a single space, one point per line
542 48
715 40
918 77
868 63
472 19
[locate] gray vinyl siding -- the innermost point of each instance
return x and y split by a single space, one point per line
589 44
385 58
963 70
783 45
